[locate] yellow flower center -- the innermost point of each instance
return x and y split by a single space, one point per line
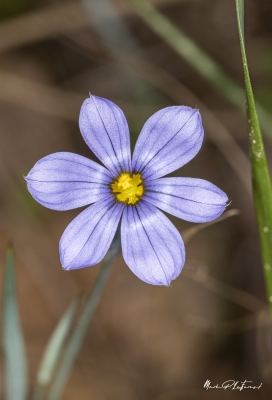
128 189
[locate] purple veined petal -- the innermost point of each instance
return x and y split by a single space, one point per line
169 139
152 247
105 130
87 238
194 200
63 181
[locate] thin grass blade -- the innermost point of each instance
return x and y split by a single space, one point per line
53 350
80 330
13 341
191 232
197 58
262 192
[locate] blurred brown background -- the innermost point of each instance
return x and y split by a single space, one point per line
144 343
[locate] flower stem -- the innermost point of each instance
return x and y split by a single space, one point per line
80 330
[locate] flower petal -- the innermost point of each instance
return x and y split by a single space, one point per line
87 238
194 200
63 181
152 247
105 130
169 139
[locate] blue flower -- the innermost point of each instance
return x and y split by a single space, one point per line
130 190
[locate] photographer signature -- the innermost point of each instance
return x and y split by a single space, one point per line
231 384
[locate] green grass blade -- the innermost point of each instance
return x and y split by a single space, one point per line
53 350
262 192
240 10
14 348
197 58
80 330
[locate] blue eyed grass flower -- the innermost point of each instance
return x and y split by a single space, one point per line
130 190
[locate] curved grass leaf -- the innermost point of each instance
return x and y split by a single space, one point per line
197 58
262 192
13 341
53 350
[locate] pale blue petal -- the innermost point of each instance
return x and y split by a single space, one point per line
105 130
63 181
169 139
152 247
194 200
87 238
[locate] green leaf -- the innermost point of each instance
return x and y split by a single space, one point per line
197 58
80 330
262 192
14 349
53 350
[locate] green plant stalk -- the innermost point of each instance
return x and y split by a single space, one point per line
198 59
80 330
53 350
262 192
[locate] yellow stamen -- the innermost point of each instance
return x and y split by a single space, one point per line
128 189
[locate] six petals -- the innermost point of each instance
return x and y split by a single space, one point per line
151 245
